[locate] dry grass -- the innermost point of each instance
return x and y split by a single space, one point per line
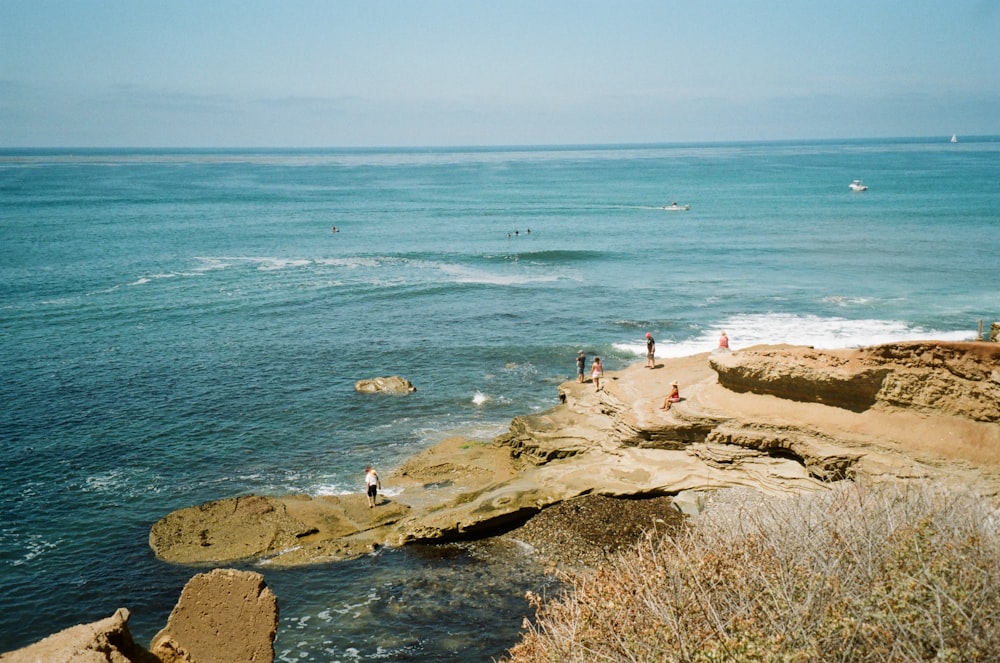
861 573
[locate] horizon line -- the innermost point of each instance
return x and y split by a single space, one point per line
500 146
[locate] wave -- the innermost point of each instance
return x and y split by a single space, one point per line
810 330
143 280
464 274
548 257
382 271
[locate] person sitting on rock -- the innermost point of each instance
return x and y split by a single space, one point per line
672 397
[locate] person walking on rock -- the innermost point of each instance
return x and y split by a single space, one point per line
596 373
581 365
372 485
650 351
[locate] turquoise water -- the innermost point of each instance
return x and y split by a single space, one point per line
183 326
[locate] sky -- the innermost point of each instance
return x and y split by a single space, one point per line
401 73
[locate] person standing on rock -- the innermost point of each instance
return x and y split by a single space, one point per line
581 365
650 351
596 373
372 485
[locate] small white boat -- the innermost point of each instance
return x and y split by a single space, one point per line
954 138
674 207
858 185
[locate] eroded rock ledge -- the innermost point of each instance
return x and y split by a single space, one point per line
781 419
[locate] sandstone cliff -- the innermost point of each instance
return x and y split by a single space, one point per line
780 419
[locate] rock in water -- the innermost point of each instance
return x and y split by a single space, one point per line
224 616
385 385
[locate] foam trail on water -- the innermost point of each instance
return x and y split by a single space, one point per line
824 333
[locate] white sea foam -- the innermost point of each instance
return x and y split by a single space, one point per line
35 546
113 481
274 264
839 300
811 330
472 430
209 264
330 489
149 278
352 262
463 274
479 398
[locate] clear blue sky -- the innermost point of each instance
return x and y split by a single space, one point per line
218 73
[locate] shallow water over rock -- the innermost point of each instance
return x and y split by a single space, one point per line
449 602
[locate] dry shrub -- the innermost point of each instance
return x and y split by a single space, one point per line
901 572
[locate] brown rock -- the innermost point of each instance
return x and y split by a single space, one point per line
933 377
385 385
224 616
832 378
105 641
227 530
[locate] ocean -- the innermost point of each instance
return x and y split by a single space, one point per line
181 326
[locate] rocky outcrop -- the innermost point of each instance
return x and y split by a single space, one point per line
385 385
106 641
780 419
224 616
833 378
245 527
961 379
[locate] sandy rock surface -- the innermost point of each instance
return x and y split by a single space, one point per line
223 616
780 419
105 641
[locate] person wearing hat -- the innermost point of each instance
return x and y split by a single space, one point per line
581 365
372 485
672 397
650 351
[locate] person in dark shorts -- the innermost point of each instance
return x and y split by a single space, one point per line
372 485
650 351
581 365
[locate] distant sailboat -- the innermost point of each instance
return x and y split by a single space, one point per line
954 138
